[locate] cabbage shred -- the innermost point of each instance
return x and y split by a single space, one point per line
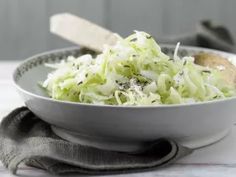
135 72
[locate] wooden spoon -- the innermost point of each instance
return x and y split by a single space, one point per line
216 61
81 31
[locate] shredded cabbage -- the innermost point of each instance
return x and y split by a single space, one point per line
135 72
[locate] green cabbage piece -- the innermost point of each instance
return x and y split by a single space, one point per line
135 72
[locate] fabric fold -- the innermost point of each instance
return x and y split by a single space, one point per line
26 139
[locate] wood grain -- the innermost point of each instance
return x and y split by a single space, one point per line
175 170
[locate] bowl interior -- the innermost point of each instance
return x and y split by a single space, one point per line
33 71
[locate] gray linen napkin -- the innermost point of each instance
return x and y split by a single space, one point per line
24 138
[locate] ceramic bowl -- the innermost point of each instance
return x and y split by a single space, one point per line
123 128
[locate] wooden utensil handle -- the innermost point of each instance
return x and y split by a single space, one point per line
81 31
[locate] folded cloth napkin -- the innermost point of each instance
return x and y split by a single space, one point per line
24 138
206 35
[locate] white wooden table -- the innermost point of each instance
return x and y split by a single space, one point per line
217 160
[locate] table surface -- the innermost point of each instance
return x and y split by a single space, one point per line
217 160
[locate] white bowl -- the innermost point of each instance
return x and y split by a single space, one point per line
124 128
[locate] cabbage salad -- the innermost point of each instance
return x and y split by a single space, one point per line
135 72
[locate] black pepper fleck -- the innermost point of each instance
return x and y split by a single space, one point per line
134 39
126 66
206 71
80 83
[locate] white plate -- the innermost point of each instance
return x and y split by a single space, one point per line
124 128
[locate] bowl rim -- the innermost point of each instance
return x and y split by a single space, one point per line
120 106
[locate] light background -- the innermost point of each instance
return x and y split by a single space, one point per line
24 23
